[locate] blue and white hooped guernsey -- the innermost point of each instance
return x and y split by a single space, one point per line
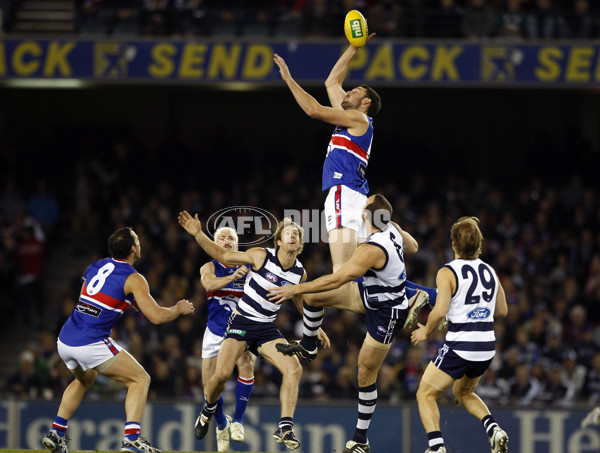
223 301
101 304
254 304
471 314
347 159
385 287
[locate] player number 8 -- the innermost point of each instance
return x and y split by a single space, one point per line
99 279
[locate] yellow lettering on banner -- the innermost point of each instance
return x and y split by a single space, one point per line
259 61
192 60
57 58
162 55
410 70
20 66
550 68
579 64
2 60
444 63
224 63
360 60
382 64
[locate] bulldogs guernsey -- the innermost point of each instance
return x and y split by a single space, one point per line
385 287
471 314
254 304
101 303
222 302
347 159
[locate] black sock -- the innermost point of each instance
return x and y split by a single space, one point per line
435 440
489 424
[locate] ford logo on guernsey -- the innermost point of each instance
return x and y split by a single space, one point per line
252 225
479 313
271 277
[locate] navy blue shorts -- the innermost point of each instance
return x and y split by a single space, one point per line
452 364
383 324
255 334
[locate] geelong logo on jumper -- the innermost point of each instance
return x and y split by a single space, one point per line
88 309
479 313
252 225
271 277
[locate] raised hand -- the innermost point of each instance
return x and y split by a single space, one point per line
191 224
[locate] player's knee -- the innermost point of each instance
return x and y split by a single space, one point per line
294 370
221 376
426 392
145 379
460 393
311 299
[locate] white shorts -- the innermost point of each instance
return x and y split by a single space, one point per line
343 208
211 344
88 356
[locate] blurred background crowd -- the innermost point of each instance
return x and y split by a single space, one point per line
541 235
472 19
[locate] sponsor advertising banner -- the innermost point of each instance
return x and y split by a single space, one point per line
379 63
320 429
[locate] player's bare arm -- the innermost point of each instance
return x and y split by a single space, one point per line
338 74
254 257
446 285
137 285
354 120
336 78
410 244
501 305
211 282
365 257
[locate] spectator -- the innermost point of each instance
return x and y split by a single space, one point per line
25 382
384 17
545 22
511 24
445 22
578 23
478 21
43 207
29 257
522 388
556 391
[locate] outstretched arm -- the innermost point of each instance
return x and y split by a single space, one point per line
137 285
337 117
364 258
193 226
336 77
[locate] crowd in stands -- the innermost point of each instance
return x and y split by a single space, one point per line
542 236
472 19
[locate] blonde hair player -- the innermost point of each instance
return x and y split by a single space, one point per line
224 287
470 295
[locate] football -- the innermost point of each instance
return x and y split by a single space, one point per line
355 27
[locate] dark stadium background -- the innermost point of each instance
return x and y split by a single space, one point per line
506 135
